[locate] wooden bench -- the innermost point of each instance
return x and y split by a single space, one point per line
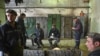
74 52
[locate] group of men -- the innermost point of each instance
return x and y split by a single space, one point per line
13 35
13 39
54 34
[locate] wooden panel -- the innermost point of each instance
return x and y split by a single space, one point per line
33 53
68 27
74 52
62 27
55 53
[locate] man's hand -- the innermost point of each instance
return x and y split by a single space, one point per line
73 28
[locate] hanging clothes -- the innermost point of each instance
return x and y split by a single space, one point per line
18 1
7 1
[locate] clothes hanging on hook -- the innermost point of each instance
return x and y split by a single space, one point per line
18 1
7 1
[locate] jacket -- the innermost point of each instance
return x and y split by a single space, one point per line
95 52
78 26
12 36
55 32
39 33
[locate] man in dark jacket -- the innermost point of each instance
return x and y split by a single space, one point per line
39 35
20 21
77 29
12 35
93 44
54 34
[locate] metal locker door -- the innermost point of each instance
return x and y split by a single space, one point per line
54 19
30 24
68 27
49 23
58 22
62 26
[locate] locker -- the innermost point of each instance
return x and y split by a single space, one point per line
58 22
30 24
54 19
49 22
67 28
62 26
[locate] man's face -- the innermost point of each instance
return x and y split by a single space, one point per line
53 27
89 44
37 26
11 17
74 20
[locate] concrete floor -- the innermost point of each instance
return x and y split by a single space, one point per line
62 44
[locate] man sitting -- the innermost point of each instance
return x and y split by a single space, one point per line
54 34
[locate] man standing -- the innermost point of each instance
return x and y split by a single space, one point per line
12 35
20 21
78 29
54 34
93 44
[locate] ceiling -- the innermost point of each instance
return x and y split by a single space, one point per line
45 7
47 3
43 12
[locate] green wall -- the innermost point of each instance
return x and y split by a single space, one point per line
2 11
94 16
2 16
